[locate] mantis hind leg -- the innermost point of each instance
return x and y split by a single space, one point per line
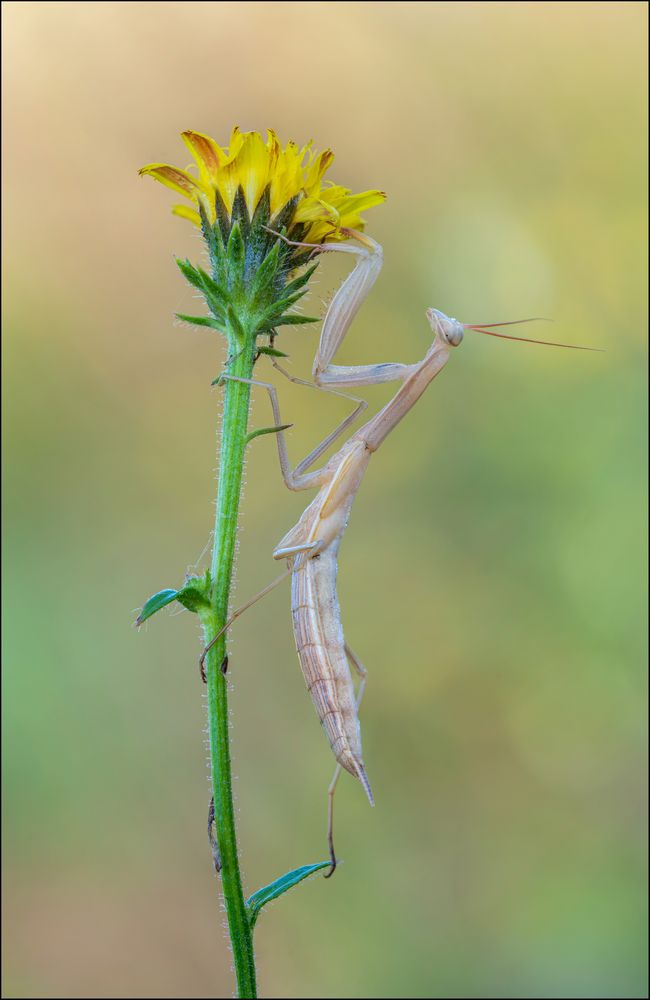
363 677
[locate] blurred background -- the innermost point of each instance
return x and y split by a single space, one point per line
492 578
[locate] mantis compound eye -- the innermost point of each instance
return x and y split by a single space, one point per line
454 332
449 329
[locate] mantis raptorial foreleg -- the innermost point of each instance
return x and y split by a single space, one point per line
363 675
344 306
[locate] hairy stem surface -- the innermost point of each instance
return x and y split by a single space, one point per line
231 462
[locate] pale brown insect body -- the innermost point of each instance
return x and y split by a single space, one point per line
316 612
311 546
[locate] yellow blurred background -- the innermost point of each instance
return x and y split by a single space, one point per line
492 578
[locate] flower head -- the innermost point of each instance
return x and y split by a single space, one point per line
285 184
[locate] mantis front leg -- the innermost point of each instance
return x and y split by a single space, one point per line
344 306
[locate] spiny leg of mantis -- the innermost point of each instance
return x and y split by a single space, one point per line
345 304
363 675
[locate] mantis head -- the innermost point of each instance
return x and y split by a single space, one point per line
449 330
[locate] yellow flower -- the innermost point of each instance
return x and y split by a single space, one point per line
323 210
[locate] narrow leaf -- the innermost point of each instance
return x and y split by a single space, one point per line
212 287
281 885
155 603
234 324
272 315
273 352
294 319
240 212
285 215
262 213
300 281
266 272
223 216
212 237
193 598
190 273
201 321
281 305
235 252
266 430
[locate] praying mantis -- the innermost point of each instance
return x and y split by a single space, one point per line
311 546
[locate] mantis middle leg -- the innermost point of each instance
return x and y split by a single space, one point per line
298 478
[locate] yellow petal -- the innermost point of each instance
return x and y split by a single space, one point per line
294 174
227 184
172 177
235 144
353 204
288 179
313 209
252 167
323 231
205 151
316 169
186 212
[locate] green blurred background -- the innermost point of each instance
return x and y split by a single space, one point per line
493 574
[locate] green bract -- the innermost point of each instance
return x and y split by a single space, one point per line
252 288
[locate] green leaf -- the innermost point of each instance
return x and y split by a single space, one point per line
212 287
272 352
271 315
212 237
195 593
240 212
236 253
281 885
281 305
266 430
213 293
190 273
265 273
201 321
234 324
155 603
293 319
285 215
262 213
192 598
300 281
223 216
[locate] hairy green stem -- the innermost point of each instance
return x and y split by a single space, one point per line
231 463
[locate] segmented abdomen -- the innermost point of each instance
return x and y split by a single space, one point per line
321 649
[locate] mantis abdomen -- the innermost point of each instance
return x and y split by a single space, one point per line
321 650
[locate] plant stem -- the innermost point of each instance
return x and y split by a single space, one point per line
231 462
